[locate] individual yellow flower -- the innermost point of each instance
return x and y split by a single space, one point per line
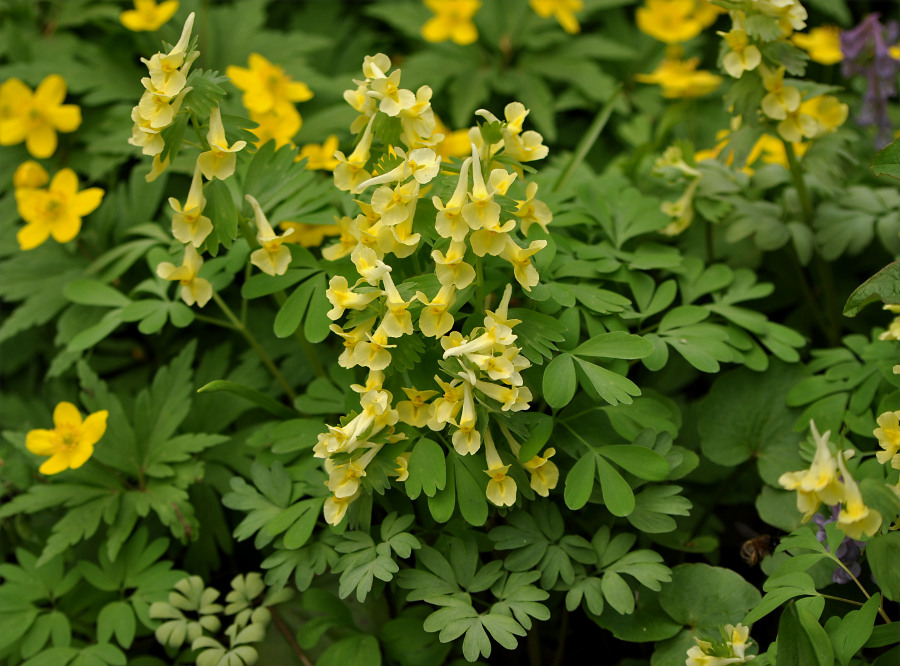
454 144
501 489
272 257
855 517
823 44
147 15
416 411
30 175
336 508
681 79
671 21
72 440
402 468
780 99
37 116
828 112
320 156
55 211
265 85
562 10
742 55
452 20
888 434
220 160
194 289
308 235
820 482
544 474
435 320
189 225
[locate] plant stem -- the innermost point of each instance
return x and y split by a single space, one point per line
561 643
846 601
289 637
862 589
578 437
479 287
588 140
799 183
214 321
253 342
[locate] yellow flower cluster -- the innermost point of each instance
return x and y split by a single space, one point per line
742 54
36 116
676 21
269 97
828 480
71 442
165 89
798 119
484 365
52 211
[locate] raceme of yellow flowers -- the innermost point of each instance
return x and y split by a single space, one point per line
482 368
828 480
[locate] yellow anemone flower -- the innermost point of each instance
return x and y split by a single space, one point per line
452 20
55 211
562 10
36 116
30 175
320 156
72 440
147 15
265 85
823 44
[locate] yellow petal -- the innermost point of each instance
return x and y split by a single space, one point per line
86 202
65 181
12 131
56 464
93 428
66 414
16 93
41 141
65 118
80 456
50 92
30 174
32 235
41 442
66 229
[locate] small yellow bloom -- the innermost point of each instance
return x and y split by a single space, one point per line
681 79
320 156
56 211
416 411
742 56
265 85
675 21
402 468
72 440
30 175
544 474
309 235
36 116
562 10
194 289
452 20
189 225
855 517
501 489
455 142
278 124
336 508
820 482
888 434
272 257
220 160
823 44
828 112
147 15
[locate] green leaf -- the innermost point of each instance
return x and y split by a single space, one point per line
854 630
116 618
443 503
316 323
292 310
540 430
616 344
883 286
642 462
470 494
704 597
258 398
94 292
357 650
617 494
427 469
795 646
580 482
611 386
559 381
887 160
220 209
617 593
883 553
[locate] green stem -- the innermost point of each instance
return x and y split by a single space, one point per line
860 586
578 437
799 182
846 601
479 287
253 342
588 140
214 321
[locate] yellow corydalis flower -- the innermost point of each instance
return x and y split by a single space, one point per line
823 44
452 20
855 518
220 160
888 434
416 411
273 257
820 482
194 289
742 55
147 15
36 116
55 211
435 320
71 442
189 225
501 489
562 10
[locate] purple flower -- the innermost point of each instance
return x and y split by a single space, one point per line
866 53
847 552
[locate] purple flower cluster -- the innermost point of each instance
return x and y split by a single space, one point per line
848 552
866 52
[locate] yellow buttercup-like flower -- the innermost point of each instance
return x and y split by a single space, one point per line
823 44
681 78
562 10
30 175
265 85
55 211
452 20
675 21
320 156
147 15
71 442
35 117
